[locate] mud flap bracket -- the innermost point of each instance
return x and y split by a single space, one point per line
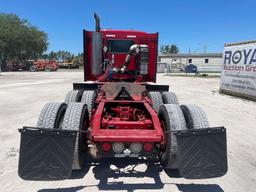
46 154
202 153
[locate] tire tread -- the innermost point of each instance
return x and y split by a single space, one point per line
170 98
72 121
156 99
48 115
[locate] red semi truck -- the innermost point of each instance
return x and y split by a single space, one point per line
120 112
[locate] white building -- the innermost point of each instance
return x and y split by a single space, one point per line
205 62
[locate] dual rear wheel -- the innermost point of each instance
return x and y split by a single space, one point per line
174 117
73 114
87 97
158 99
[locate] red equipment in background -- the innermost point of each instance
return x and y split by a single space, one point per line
43 65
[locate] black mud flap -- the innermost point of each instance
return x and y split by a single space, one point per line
46 154
202 153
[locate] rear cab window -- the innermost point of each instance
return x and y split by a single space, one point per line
119 46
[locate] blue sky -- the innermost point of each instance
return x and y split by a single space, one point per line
187 23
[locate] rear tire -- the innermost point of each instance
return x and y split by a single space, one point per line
33 68
47 69
171 119
73 96
170 98
156 99
77 118
51 115
195 117
88 97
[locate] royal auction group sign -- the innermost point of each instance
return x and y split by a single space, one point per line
239 69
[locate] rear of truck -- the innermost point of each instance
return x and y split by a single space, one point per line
120 112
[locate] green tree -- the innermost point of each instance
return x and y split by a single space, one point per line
174 49
169 49
52 55
19 39
60 55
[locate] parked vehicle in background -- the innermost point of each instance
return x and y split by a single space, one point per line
191 68
32 65
43 65
74 64
18 65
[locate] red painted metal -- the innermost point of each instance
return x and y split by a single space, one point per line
139 37
130 131
129 135
117 124
122 112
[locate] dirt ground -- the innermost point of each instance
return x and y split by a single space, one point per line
23 94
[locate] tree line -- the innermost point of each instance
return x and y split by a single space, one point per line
169 49
21 41
63 56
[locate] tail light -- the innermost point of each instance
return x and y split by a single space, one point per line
106 147
118 147
147 147
136 147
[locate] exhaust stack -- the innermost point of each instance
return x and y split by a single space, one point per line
97 22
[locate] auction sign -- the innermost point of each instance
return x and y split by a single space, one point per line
238 75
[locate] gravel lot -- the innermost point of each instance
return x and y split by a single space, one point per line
23 94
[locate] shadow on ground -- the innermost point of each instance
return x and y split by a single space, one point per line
102 172
199 188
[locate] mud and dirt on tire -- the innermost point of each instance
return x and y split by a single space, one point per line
77 118
73 96
195 116
171 119
156 99
51 115
170 98
88 98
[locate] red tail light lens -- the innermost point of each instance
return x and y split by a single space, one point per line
147 147
106 147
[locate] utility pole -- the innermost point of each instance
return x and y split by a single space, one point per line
205 48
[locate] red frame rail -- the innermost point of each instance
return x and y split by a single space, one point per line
125 135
